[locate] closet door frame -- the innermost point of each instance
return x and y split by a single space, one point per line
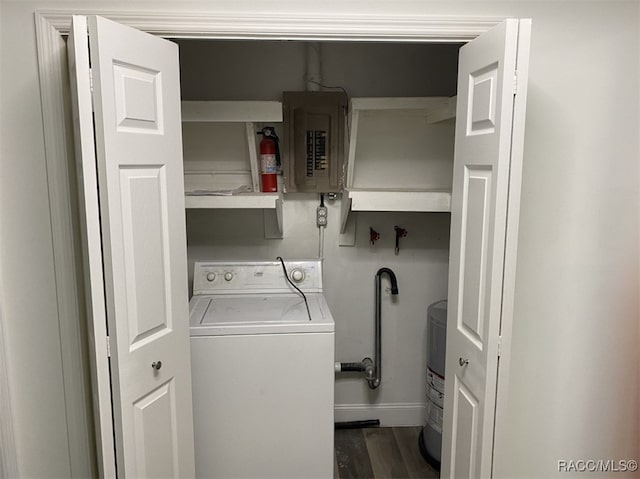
52 27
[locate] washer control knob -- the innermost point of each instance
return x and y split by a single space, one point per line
297 275
211 277
228 276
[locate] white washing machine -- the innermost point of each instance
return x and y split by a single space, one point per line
262 371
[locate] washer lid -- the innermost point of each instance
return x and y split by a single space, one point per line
215 315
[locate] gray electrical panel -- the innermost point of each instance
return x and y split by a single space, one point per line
313 141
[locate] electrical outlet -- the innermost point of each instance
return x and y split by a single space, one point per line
321 216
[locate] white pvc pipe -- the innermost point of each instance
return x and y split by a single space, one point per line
314 62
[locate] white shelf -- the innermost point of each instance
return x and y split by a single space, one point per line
399 200
270 203
240 201
231 111
388 200
400 157
400 143
423 105
214 173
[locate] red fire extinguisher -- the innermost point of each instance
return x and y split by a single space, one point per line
269 159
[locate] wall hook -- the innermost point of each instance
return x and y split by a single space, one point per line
373 235
400 233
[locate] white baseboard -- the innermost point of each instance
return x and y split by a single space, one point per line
390 414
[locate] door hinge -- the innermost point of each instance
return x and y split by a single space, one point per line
515 83
91 80
499 346
108 347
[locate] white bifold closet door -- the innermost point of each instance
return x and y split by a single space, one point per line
126 95
487 162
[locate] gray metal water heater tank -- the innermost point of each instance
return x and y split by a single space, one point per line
430 440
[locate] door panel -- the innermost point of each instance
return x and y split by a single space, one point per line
471 320
137 97
155 419
481 180
465 426
147 270
481 116
82 110
136 102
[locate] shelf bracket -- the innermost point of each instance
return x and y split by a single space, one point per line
253 155
446 112
348 221
274 221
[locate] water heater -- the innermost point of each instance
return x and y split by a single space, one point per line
430 439
313 141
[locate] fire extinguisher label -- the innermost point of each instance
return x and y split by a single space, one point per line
268 164
435 400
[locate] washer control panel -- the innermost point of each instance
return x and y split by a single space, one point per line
213 277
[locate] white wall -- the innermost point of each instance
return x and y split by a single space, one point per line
574 390
262 70
26 261
421 269
245 70
8 460
575 386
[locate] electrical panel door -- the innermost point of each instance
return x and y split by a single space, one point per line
313 142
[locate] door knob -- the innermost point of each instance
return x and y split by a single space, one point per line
156 365
463 362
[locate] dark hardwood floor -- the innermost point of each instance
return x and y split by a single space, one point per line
380 453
